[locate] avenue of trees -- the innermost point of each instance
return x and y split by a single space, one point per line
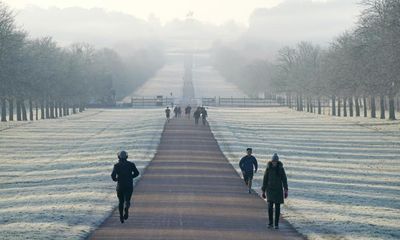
356 76
41 80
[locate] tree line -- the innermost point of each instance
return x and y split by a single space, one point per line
356 75
41 80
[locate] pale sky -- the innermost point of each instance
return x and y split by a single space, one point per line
212 11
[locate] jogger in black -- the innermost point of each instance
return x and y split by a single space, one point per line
124 172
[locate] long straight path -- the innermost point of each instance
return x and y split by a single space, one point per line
190 191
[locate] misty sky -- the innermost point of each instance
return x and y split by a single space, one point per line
117 23
211 11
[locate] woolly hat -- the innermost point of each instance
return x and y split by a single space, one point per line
275 157
123 155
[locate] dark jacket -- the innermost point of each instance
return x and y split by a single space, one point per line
204 114
196 114
274 182
124 172
248 164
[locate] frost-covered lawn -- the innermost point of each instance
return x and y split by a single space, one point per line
344 175
55 174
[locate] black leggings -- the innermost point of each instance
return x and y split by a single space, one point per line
124 197
271 212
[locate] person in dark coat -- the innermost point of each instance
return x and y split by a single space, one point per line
248 164
167 113
204 115
124 172
188 110
179 111
176 111
274 188
196 115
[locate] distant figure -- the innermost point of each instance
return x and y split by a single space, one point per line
248 165
167 113
276 188
196 115
176 111
204 115
124 172
188 109
179 112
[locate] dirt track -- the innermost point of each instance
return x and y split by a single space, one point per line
190 191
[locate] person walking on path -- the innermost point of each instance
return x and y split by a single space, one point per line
248 164
176 111
204 115
196 115
274 188
124 172
167 113
188 109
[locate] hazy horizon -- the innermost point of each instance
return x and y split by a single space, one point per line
112 24
206 11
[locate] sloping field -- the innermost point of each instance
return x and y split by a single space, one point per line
344 175
55 174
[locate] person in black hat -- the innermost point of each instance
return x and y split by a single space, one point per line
248 164
274 188
124 172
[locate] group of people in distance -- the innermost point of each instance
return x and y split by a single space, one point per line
200 112
274 187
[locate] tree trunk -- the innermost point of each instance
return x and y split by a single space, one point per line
81 107
11 109
30 109
55 109
301 103
398 104
42 109
339 107
3 110
37 110
66 110
356 99
351 108
382 105
333 105
373 107
392 114
23 108
365 106
51 109
73 109
60 109
319 106
19 112
47 109
345 107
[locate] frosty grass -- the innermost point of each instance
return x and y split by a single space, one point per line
55 174
343 174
